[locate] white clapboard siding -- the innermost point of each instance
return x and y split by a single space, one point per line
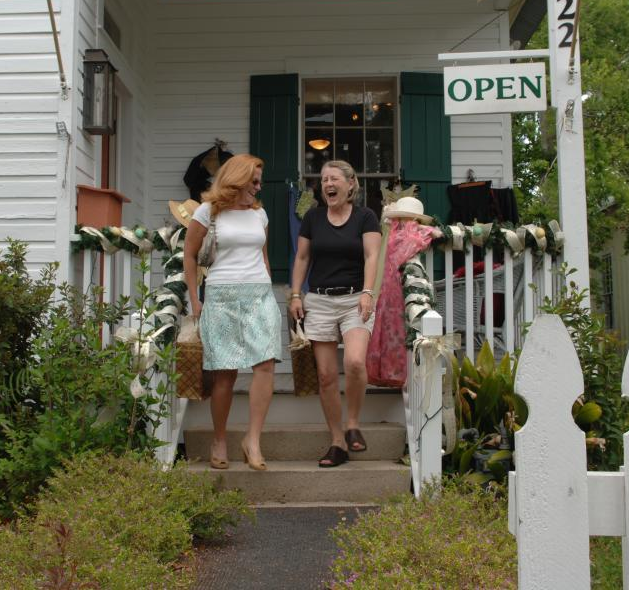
10 7
29 96
184 70
204 55
131 60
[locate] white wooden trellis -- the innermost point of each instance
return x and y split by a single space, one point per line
555 505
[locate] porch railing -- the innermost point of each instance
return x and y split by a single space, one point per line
494 306
117 274
465 303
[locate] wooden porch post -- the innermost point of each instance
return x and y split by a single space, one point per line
566 98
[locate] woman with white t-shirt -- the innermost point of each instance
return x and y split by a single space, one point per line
239 319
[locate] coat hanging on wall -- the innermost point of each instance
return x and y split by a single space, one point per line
203 167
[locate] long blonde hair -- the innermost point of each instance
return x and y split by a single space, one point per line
232 177
349 173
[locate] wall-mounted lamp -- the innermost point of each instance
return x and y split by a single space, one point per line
319 144
98 93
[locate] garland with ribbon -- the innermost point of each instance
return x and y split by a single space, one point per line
111 239
171 295
546 237
419 296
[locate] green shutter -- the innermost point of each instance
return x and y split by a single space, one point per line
273 135
426 146
426 140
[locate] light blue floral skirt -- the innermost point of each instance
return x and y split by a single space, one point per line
240 326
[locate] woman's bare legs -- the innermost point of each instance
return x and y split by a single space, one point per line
260 394
330 397
355 343
220 404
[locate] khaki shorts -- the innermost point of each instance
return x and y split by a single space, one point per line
328 317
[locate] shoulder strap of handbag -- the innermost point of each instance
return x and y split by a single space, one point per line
213 224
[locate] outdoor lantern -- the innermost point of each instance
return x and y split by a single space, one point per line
98 93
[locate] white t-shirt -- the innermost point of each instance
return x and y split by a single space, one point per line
240 235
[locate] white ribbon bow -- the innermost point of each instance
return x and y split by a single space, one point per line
433 348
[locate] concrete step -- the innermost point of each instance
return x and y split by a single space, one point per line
300 442
304 481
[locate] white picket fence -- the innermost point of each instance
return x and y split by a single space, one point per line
555 504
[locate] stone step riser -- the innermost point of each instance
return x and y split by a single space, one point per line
304 443
354 482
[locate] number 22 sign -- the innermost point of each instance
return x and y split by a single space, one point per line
565 22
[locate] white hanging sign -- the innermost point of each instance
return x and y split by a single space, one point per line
496 88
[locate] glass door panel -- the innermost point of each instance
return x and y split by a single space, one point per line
349 147
379 104
319 103
379 151
348 100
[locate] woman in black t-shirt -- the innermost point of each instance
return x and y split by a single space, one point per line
339 244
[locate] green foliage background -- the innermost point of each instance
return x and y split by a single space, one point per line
604 36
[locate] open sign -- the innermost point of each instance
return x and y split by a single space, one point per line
498 88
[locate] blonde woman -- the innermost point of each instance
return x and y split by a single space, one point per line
239 319
339 244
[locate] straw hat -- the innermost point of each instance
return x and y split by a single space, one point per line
182 212
407 207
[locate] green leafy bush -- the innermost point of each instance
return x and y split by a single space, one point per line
455 539
489 409
22 304
116 522
72 395
601 356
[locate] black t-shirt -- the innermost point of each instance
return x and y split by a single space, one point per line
336 252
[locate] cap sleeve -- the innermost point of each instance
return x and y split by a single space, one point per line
370 222
202 214
305 230
264 218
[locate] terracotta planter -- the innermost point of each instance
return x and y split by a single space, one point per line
99 207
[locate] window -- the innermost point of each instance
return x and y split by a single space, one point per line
111 28
607 291
353 120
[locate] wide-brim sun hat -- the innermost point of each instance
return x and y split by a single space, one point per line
182 211
409 207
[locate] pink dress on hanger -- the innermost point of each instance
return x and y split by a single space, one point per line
386 354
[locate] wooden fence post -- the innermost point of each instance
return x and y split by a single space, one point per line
551 470
625 538
423 400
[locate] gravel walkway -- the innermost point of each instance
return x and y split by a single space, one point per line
285 549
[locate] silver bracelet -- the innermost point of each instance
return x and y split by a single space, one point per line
368 292
295 295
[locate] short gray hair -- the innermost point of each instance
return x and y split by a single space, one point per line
348 172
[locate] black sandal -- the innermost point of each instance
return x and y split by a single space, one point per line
354 437
335 455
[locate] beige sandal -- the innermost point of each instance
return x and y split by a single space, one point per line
217 463
261 466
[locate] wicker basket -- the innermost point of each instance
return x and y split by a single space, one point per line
304 372
304 365
190 369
